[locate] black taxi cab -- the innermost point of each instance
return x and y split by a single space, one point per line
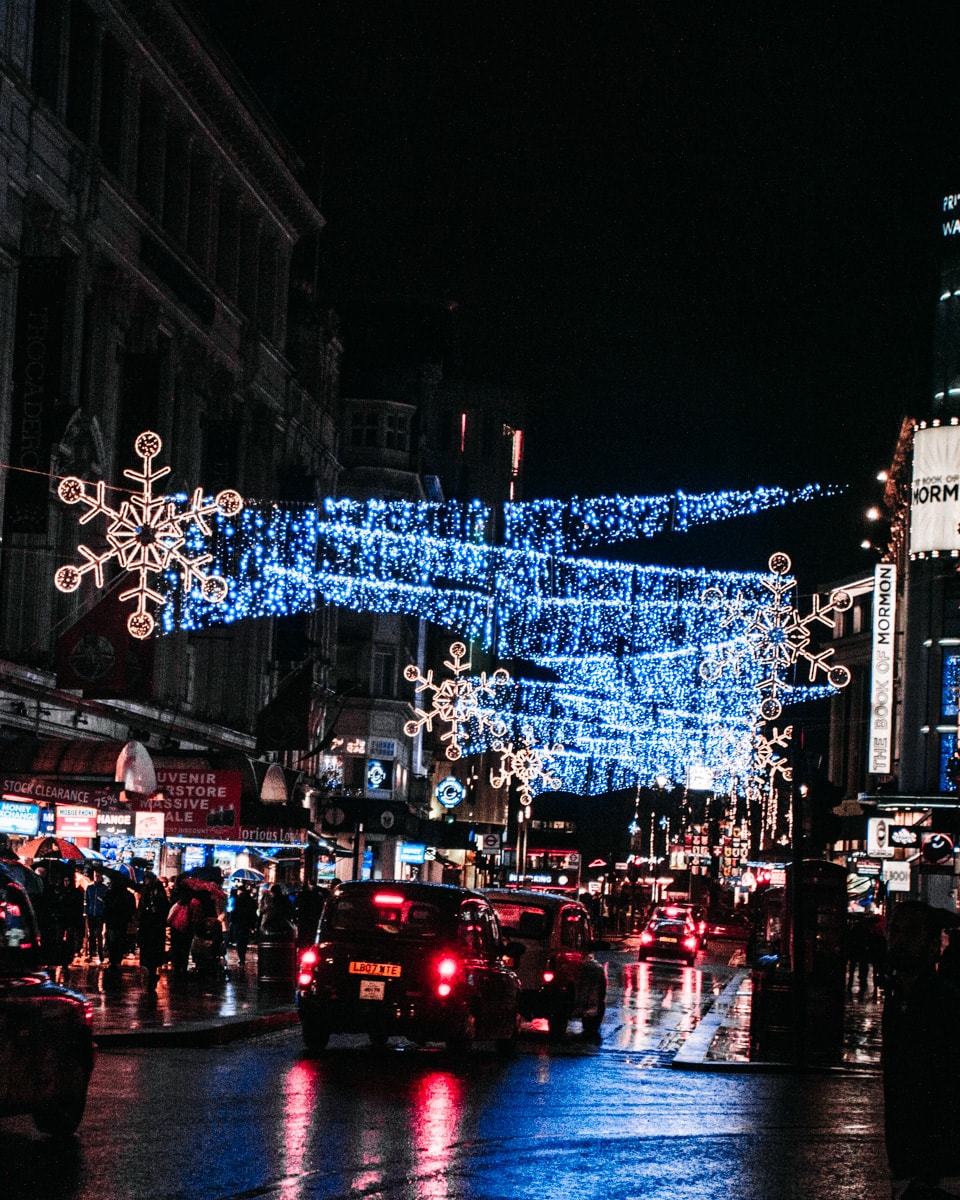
554 943
423 961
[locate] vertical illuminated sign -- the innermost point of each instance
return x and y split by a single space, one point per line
881 674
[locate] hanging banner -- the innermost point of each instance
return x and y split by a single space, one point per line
98 657
34 392
935 493
881 673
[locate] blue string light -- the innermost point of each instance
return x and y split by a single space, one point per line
623 642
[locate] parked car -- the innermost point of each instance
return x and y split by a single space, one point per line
669 937
420 960
561 979
728 923
46 1031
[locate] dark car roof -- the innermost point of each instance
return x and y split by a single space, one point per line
548 900
440 894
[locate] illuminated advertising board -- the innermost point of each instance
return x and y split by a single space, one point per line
198 803
935 491
881 674
23 820
76 820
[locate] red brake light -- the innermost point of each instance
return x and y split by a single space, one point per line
388 898
548 977
690 943
646 937
310 957
447 967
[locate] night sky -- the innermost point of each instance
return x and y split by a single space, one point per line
702 239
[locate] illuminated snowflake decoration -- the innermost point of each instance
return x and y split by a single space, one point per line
457 702
147 536
776 637
526 765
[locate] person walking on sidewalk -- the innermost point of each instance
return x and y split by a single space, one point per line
152 928
184 920
119 912
93 899
307 910
243 920
920 1056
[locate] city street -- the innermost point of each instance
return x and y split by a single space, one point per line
262 1118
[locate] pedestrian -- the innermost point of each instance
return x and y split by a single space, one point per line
152 928
183 919
858 954
277 911
70 919
877 954
93 899
46 914
920 1056
243 920
307 910
119 911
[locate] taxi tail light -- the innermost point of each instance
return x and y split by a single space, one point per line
690 943
308 960
447 967
548 976
646 938
390 899
87 1013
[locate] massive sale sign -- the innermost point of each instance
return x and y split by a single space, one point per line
201 804
935 492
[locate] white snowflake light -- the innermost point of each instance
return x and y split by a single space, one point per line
457 702
776 637
526 764
146 536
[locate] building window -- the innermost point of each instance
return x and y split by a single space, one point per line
112 75
47 40
363 428
385 672
396 432
80 68
950 686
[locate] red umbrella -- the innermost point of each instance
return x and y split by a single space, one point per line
51 847
203 885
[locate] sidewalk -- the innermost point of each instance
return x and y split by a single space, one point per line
192 1011
722 1039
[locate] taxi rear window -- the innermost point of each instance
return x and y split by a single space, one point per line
523 920
390 913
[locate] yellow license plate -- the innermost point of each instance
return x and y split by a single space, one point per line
669 939
381 970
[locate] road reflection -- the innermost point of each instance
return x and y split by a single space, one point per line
655 1005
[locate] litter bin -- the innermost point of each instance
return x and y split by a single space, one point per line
277 956
772 1016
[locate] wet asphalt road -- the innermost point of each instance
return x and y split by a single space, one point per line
578 1119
